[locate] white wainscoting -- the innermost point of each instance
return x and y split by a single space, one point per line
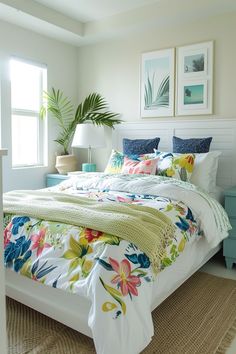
223 132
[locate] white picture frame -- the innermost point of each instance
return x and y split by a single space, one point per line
157 83
194 73
193 96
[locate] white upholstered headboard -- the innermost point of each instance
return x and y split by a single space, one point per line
223 132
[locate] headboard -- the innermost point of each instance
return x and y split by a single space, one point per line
223 132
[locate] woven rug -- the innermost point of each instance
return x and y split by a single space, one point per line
200 318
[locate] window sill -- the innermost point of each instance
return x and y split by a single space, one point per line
29 167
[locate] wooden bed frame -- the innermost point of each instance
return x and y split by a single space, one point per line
59 304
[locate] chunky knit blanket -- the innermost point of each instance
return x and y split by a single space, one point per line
147 228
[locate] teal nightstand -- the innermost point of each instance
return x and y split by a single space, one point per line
229 246
53 179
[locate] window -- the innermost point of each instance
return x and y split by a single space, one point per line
28 81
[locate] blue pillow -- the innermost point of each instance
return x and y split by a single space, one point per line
140 146
194 145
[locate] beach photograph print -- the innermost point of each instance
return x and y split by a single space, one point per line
194 83
193 94
194 63
157 84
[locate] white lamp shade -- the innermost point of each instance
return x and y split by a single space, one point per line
89 135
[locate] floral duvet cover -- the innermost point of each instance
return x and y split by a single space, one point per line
114 274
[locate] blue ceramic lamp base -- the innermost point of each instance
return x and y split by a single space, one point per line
89 167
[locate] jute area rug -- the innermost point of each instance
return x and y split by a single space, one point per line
200 318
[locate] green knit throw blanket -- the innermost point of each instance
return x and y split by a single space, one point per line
148 228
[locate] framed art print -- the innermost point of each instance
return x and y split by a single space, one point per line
193 96
194 79
157 83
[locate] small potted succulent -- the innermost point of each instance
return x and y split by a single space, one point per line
93 109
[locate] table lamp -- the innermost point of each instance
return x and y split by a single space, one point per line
89 135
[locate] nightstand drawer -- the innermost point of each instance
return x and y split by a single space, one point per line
229 249
232 233
230 206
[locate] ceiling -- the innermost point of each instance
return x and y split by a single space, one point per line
82 22
93 10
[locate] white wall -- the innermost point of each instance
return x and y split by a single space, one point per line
112 68
2 275
61 61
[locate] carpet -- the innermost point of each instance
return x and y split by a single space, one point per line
198 318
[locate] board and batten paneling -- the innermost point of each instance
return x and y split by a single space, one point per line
223 132
3 346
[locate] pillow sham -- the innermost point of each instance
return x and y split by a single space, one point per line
193 145
205 170
179 166
139 167
140 146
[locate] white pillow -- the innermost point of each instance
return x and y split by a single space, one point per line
205 170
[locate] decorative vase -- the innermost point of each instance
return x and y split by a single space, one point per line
66 163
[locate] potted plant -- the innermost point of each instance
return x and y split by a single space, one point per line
93 109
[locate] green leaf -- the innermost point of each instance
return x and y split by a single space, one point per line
108 306
166 262
69 254
140 272
111 240
26 269
75 277
93 108
104 264
75 246
115 294
74 264
169 207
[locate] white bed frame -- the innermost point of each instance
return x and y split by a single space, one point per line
61 305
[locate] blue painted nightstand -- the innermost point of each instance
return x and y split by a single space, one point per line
53 179
229 246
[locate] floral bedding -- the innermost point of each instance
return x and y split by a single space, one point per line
114 274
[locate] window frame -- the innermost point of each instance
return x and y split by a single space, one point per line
42 146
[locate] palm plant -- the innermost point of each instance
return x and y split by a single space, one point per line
93 108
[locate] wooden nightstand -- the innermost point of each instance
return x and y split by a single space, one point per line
53 179
229 247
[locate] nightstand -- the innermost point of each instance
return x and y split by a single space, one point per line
53 179
229 246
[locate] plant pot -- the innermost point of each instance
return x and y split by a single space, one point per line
66 163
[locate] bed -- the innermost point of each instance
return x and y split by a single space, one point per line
110 309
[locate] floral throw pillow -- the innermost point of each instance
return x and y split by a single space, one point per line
115 162
179 166
139 167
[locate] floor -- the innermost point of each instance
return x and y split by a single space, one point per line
216 266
